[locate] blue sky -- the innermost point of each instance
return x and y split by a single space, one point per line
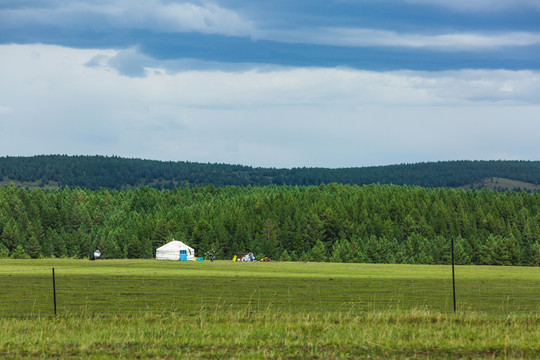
272 83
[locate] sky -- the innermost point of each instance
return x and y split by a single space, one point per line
303 83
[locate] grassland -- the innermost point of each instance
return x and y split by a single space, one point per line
151 309
30 184
501 184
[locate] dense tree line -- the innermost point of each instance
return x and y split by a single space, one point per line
94 172
343 223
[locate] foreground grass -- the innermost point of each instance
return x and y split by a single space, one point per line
269 334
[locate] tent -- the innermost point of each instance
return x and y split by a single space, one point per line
175 250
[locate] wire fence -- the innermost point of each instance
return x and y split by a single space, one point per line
27 293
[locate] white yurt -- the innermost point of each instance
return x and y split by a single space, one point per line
175 250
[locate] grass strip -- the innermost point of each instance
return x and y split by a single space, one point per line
388 334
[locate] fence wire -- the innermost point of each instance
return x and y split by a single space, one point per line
24 294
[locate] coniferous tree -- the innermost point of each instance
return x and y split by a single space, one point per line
135 249
4 252
11 237
318 253
19 253
32 248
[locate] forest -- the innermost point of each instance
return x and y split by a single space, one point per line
95 172
335 222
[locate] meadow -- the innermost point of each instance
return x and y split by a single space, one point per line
152 309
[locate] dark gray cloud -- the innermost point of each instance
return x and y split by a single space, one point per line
482 5
377 35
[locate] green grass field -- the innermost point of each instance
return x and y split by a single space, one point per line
152 309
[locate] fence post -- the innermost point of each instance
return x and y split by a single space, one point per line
453 276
54 291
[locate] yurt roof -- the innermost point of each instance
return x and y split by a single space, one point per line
175 244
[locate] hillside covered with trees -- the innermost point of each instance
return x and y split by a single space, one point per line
343 223
95 172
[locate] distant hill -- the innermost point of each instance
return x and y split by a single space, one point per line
95 172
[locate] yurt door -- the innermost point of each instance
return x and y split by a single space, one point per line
183 255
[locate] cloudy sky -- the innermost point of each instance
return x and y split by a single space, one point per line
279 83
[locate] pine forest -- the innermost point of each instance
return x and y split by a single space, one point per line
339 223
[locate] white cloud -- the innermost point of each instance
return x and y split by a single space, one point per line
277 117
155 15
480 5
279 86
355 37
5 109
